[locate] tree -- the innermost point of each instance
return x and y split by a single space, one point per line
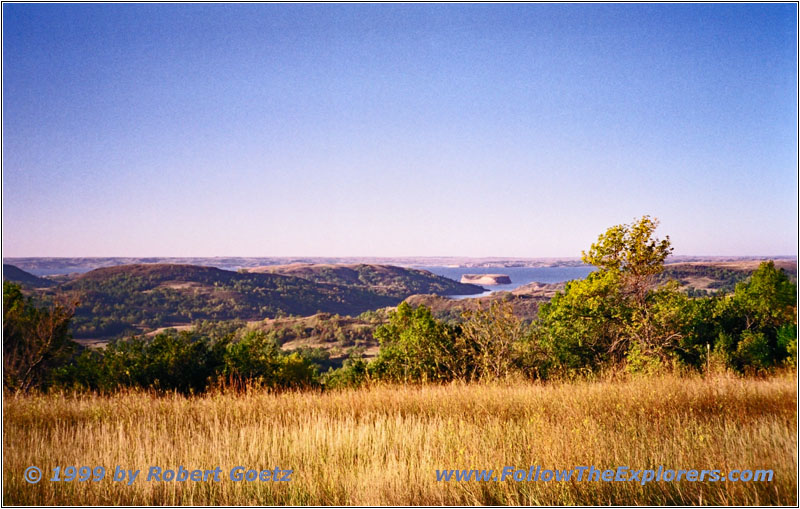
486 347
632 252
768 299
584 326
415 347
35 339
757 324
598 319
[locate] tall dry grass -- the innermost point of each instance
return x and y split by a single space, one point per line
382 445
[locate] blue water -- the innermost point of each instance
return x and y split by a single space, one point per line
519 275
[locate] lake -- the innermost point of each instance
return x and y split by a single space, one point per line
519 275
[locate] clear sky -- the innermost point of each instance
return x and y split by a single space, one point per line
393 130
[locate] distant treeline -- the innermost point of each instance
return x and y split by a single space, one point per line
124 300
622 316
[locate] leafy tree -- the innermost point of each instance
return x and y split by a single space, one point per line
353 373
633 253
35 339
253 357
181 362
584 326
597 320
787 341
768 299
757 323
256 359
415 347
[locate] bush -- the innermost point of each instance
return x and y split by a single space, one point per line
188 363
415 347
353 373
36 340
787 340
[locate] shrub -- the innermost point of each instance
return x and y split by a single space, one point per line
35 339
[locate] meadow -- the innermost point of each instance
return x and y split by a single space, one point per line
382 444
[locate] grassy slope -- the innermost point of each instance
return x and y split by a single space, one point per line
383 445
399 282
720 275
337 335
17 275
157 295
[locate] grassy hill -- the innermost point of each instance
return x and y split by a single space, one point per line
398 282
335 335
17 275
709 277
135 298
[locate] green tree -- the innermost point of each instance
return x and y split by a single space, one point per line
35 339
757 324
767 299
256 359
634 254
583 327
598 319
415 347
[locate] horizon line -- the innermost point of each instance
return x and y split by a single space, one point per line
795 255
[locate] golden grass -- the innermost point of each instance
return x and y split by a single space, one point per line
383 445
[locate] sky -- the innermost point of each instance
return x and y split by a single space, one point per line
521 130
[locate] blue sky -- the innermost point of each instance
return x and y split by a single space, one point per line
396 130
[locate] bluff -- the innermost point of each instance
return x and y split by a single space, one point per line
486 279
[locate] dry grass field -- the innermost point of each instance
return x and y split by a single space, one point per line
383 445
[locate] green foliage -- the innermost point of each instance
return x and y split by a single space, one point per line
189 363
620 314
596 321
787 340
584 327
658 328
415 347
639 361
35 339
752 352
256 360
757 323
768 299
490 342
632 252
170 361
698 331
353 373
253 357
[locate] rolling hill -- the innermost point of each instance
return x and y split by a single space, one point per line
398 282
709 277
17 275
134 298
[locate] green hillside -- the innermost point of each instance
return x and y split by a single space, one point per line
26 279
134 298
398 282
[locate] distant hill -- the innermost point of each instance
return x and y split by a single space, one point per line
134 298
387 280
705 277
525 306
17 275
62 265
